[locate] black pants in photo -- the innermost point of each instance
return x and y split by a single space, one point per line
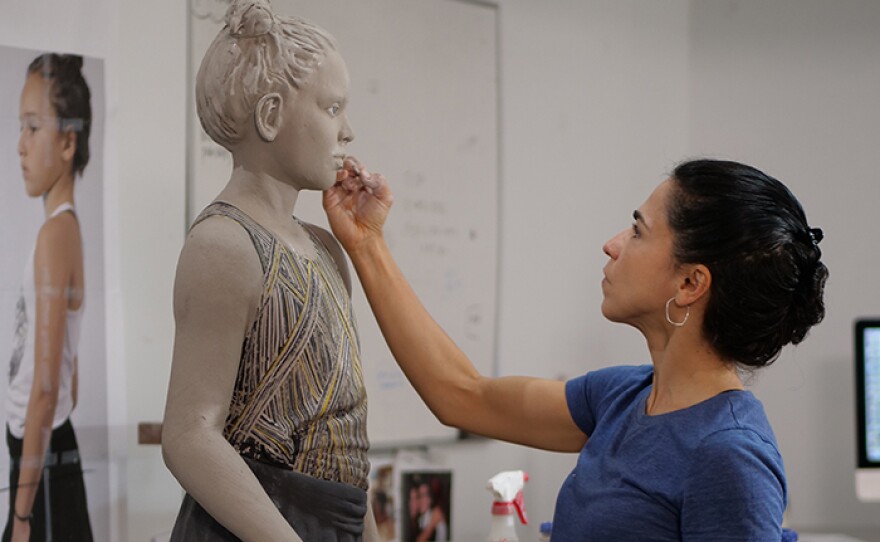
60 513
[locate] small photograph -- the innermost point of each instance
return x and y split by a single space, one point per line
425 499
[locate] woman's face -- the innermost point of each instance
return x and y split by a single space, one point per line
315 131
46 153
640 274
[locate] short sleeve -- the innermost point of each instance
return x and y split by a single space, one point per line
577 396
588 396
735 489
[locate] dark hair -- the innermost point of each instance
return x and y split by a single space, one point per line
70 97
750 231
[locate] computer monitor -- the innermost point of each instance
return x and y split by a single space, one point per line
867 350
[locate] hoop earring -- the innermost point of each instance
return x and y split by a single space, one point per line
686 314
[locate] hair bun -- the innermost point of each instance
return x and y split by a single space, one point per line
69 62
249 18
808 307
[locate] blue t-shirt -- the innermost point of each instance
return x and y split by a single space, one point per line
711 472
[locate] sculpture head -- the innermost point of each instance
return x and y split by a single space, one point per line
256 53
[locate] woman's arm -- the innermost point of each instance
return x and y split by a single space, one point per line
54 258
523 410
218 284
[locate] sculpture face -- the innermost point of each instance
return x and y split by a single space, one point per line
314 131
44 151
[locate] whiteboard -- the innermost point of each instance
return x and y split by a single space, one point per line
424 109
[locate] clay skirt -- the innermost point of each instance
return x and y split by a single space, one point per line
318 510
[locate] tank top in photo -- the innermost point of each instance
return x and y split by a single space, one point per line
21 362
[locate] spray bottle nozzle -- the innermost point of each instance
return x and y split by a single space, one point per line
507 488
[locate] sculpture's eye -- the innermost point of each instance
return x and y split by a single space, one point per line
334 109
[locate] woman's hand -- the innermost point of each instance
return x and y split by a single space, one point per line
357 205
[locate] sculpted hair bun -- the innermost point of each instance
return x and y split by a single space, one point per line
249 18
255 53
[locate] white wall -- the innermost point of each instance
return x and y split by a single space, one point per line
624 89
793 87
599 99
151 127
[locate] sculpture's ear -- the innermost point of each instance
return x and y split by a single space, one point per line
267 116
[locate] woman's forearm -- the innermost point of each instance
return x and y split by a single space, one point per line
440 372
524 410
35 442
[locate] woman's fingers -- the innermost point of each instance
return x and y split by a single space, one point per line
359 191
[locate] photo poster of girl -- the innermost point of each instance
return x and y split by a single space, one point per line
53 333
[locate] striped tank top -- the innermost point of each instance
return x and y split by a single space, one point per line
299 400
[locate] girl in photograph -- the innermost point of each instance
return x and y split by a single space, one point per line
47 499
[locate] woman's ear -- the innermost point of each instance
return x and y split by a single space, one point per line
694 284
267 116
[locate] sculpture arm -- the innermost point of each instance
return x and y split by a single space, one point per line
217 287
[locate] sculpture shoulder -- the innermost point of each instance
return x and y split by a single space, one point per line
218 257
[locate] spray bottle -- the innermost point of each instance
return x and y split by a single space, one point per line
507 489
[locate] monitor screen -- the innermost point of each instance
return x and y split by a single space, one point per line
867 369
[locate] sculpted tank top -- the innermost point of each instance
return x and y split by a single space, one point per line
299 400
